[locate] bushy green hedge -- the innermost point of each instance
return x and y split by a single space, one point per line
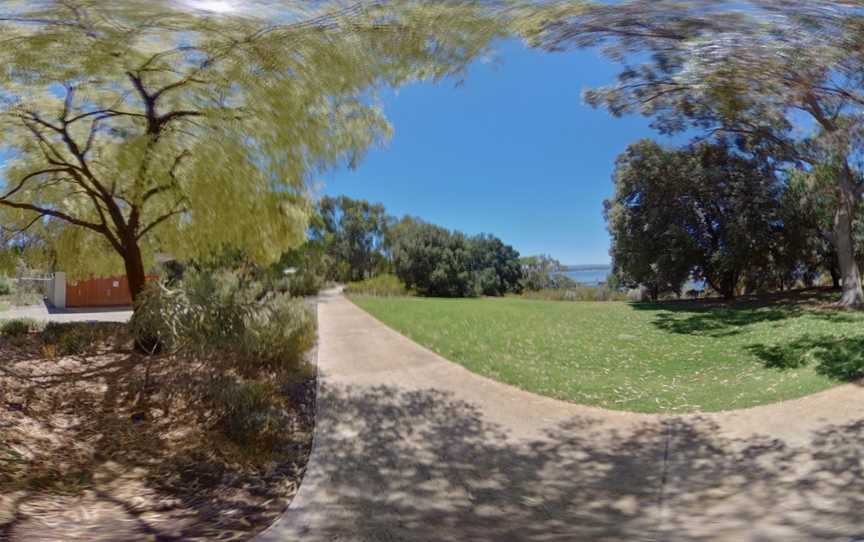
382 285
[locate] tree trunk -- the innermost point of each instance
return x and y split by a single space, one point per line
835 276
135 274
853 296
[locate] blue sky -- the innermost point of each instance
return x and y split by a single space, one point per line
513 151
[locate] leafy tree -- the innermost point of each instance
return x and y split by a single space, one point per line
538 272
701 211
433 261
353 232
648 220
146 127
495 266
437 262
752 70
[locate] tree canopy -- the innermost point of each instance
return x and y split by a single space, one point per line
781 77
145 127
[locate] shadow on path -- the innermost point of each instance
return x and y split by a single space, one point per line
420 465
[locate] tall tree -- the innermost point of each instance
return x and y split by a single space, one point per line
145 127
353 232
783 76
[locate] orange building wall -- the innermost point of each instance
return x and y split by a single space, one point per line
99 292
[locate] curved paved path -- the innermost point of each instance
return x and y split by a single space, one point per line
412 447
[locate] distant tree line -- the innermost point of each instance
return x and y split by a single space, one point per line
359 240
713 213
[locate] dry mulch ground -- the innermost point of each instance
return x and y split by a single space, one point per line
85 454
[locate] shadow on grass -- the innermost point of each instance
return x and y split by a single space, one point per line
421 465
717 318
840 358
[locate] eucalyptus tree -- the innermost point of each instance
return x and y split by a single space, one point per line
146 126
782 76
353 233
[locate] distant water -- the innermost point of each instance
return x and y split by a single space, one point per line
589 277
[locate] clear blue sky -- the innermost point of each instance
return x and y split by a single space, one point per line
513 151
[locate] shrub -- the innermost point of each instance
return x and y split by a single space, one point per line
249 412
279 334
18 327
218 314
382 285
5 285
69 339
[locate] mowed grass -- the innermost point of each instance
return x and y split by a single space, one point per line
675 358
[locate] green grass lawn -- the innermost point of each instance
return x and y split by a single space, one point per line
677 357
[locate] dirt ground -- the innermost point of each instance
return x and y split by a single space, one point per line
85 454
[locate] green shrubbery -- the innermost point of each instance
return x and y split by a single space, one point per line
382 285
5 285
249 412
75 338
220 313
18 327
245 339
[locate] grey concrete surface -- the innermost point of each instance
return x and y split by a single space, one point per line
411 447
47 313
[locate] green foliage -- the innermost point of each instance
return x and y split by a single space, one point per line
670 357
352 232
19 327
5 285
703 212
75 338
778 77
310 265
538 272
251 413
437 262
215 315
380 285
148 122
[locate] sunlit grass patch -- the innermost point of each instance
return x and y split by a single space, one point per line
661 358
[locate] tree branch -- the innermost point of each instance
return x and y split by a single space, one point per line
158 221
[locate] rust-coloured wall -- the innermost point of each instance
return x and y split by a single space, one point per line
99 292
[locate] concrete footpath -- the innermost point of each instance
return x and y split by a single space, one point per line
412 447
50 314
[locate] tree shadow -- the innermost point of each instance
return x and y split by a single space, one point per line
422 465
837 357
718 318
122 478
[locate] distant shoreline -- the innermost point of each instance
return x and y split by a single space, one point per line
588 267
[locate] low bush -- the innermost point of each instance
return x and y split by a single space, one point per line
5 285
579 293
219 314
382 285
250 413
18 327
71 339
